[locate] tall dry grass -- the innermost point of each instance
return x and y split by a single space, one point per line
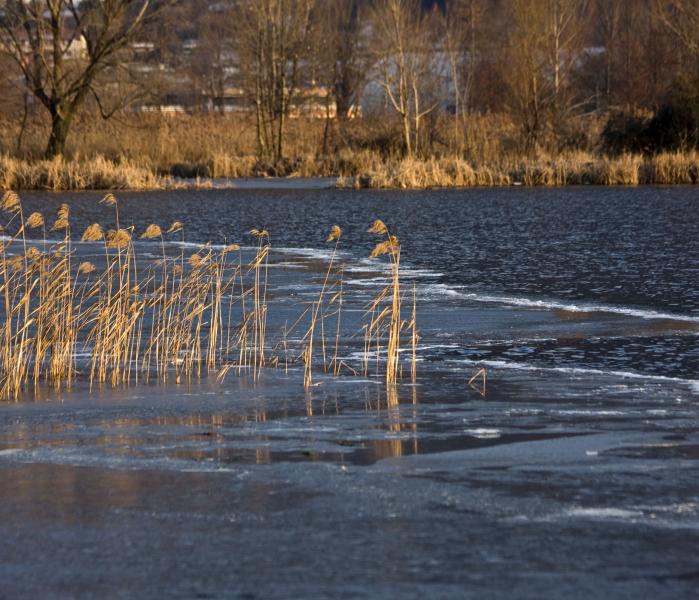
318 316
58 174
386 323
580 168
142 151
407 173
170 319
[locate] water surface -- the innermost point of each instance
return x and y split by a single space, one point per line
574 473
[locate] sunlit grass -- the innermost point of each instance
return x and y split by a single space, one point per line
171 319
367 169
573 168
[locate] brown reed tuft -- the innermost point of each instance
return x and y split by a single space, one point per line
62 220
93 233
118 239
86 267
10 202
109 200
335 234
197 260
378 227
35 220
152 231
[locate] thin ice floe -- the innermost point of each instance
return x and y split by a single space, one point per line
579 308
519 366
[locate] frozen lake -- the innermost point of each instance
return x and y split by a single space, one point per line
575 473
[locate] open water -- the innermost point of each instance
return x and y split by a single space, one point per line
573 473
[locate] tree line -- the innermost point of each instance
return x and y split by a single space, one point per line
545 65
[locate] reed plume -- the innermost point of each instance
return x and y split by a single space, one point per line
172 318
391 314
316 310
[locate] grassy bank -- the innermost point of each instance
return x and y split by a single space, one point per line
568 169
148 151
367 170
96 173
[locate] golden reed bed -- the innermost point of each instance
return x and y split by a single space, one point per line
368 171
132 319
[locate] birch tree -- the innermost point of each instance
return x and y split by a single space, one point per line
273 38
544 42
406 62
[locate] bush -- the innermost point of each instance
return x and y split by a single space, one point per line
676 124
626 133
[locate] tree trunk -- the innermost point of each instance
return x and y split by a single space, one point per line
59 133
280 131
23 125
326 129
406 133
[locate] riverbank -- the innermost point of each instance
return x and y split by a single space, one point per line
570 169
580 168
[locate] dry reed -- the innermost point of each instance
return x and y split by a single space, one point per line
316 314
388 318
174 317
96 173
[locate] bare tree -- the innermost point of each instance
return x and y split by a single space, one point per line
528 87
272 41
545 41
563 33
609 14
63 46
406 61
344 61
681 18
461 29
342 66
208 64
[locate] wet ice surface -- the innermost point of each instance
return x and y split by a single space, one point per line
550 486
576 475
263 183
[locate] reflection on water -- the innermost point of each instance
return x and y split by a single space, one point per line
517 299
257 433
581 437
358 423
342 422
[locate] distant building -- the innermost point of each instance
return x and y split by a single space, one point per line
313 102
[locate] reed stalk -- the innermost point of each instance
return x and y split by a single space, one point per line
392 314
173 318
316 310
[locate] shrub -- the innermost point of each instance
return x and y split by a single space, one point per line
676 124
626 132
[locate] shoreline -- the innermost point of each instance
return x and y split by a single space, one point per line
577 169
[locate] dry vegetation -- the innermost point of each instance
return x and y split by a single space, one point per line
176 318
155 152
96 173
579 168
